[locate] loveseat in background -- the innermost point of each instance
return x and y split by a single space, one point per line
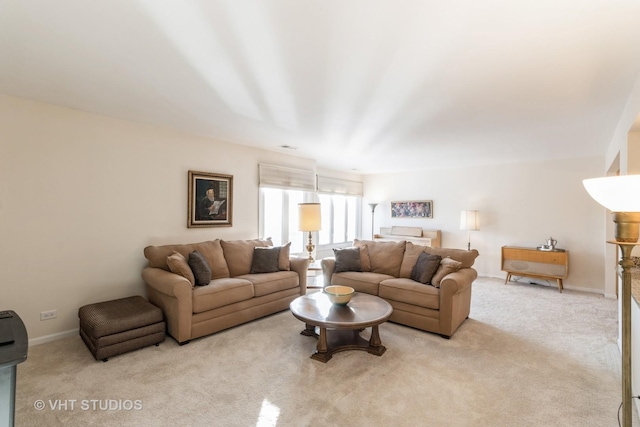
440 310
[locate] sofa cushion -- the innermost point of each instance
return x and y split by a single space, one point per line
214 255
221 292
425 268
385 257
447 265
467 258
365 261
410 292
212 251
265 260
362 282
239 254
411 254
347 259
283 261
200 268
268 283
178 265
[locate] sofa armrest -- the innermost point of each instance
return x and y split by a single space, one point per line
328 267
174 295
166 282
300 266
457 281
455 299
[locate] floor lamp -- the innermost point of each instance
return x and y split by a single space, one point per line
309 220
619 194
470 221
373 209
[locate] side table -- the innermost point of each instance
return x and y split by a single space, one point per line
314 275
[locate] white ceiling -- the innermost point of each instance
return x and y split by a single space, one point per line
370 85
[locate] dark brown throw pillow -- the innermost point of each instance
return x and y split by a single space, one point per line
347 259
265 260
200 268
425 268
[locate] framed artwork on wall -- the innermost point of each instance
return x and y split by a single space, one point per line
412 209
210 200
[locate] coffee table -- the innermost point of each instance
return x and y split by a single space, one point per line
338 326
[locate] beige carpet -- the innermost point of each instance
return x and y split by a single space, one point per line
528 356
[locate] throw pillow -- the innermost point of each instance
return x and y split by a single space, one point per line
425 268
365 261
283 261
178 264
347 259
265 260
447 265
200 268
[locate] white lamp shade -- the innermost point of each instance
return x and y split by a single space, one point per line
470 220
616 193
309 216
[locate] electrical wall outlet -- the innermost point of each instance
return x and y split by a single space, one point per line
46 315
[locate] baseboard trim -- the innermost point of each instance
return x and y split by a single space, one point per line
53 337
552 284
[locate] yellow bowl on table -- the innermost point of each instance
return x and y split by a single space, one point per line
339 295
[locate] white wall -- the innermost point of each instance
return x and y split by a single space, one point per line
519 204
81 195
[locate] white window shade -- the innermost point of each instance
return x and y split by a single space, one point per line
328 185
272 176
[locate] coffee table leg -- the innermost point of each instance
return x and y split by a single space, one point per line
322 341
309 331
375 341
322 353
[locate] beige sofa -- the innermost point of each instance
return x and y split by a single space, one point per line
440 310
232 297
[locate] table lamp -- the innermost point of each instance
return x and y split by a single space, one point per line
470 221
309 220
621 195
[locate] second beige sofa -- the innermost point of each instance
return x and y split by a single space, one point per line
440 310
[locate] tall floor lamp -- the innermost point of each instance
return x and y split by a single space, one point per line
373 209
309 220
620 194
470 221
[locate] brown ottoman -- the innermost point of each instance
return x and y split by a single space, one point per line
114 327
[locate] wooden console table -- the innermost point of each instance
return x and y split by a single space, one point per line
532 262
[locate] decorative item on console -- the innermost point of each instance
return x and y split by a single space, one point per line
549 245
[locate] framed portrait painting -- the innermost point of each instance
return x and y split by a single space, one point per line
412 209
210 200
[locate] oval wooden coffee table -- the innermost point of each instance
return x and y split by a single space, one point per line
340 326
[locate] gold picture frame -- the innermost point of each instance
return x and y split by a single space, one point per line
210 201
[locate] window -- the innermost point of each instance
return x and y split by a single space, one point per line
282 189
279 216
340 219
